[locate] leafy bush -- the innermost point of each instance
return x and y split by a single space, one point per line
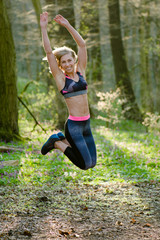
110 106
152 121
40 101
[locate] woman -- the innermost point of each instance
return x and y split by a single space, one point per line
69 73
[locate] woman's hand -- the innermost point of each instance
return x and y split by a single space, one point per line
44 20
61 20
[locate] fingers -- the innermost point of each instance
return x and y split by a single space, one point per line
44 14
58 17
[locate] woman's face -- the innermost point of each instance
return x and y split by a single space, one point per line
67 63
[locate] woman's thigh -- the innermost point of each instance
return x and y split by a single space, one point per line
74 134
90 143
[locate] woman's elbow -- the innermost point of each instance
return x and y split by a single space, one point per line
82 44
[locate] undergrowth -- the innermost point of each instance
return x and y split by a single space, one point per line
125 153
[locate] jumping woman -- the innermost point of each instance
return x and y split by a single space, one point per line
68 71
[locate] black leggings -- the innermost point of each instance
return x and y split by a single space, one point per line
82 151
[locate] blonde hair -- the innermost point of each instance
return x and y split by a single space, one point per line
61 51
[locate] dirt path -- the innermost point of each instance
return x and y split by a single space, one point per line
110 211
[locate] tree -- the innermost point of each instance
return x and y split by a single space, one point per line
105 58
120 65
144 35
8 90
38 10
77 13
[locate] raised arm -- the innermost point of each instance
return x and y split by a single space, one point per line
56 72
82 52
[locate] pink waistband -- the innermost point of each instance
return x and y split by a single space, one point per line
84 118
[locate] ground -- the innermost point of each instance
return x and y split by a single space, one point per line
111 211
47 197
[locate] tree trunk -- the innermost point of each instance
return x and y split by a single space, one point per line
120 65
144 35
103 30
38 52
8 90
77 13
156 71
38 10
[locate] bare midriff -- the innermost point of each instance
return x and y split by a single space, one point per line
78 105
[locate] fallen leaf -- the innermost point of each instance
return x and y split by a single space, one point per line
85 208
147 225
133 220
76 235
119 223
26 233
64 233
99 229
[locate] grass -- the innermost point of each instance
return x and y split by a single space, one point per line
125 154
48 197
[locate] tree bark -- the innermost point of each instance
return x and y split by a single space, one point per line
103 34
144 35
6 149
38 10
77 13
120 65
8 90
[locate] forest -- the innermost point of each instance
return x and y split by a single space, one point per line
47 197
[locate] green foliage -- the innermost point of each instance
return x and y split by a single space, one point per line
110 107
152 46
152 121
39 100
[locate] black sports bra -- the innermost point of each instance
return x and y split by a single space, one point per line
73 88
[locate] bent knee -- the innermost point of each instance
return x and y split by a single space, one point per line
89 165
93 165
